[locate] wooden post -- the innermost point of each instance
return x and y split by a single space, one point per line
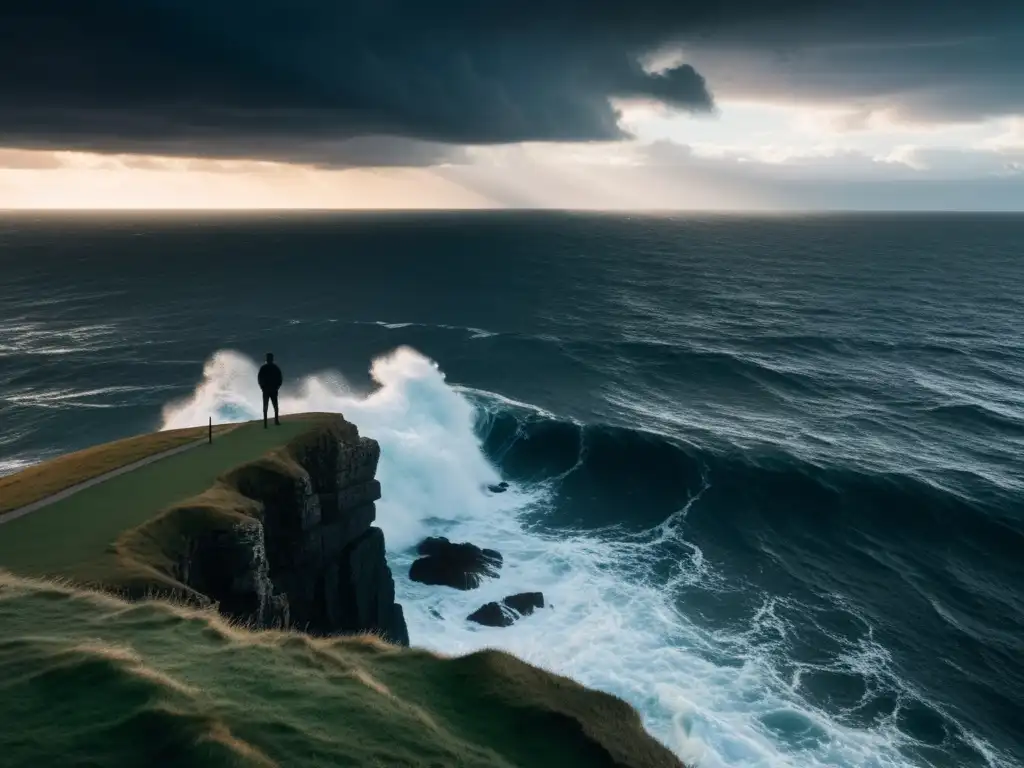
211 430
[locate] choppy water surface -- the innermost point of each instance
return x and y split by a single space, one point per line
765 470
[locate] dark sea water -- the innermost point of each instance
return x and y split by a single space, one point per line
768 471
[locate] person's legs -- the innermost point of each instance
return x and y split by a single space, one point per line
266 401
273 399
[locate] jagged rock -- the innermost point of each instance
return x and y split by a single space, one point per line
354 496
347 528
230 566
461 566
508 611
330 457
525 603
312 559
439 546
498 487
491 615
365 591
357 462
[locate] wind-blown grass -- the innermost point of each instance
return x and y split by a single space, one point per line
88 679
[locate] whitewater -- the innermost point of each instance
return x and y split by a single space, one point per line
715 698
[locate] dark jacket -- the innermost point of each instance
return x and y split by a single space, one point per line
270 377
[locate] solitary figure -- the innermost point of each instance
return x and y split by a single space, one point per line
270 380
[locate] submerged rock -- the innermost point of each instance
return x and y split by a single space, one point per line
525 602
460 566
509 610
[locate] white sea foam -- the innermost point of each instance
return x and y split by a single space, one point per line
34 338
714 699
474 333
10 465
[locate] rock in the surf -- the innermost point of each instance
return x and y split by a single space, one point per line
498 487
461 566
505 613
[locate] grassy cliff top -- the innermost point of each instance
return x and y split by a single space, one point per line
78 537
37 482
87 679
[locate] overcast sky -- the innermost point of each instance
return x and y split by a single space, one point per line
638 104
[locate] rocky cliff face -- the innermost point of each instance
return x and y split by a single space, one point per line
311 557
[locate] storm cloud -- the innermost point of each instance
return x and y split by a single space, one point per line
312 80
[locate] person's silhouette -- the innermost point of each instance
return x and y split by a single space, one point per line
270 380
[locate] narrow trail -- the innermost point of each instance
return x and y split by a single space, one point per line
14 514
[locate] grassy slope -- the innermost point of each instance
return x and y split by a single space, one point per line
74 537
38 482
86 679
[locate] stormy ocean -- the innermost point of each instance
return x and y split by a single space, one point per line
766 470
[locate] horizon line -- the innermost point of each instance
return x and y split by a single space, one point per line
773 212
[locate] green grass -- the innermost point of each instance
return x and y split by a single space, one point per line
46 479
89 680
74 537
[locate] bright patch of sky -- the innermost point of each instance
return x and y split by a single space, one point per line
776 133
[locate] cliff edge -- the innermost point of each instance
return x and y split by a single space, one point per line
284 541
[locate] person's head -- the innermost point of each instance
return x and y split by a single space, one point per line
270 357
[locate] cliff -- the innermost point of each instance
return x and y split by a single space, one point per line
284 541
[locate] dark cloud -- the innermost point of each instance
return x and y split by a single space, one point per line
292 79
297 79
964 76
